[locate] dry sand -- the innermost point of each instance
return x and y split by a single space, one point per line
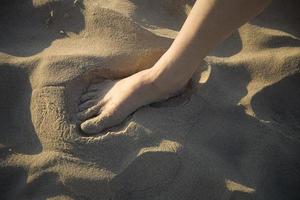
233 134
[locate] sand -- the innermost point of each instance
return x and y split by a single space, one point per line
233 134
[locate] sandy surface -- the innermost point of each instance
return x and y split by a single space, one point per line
233 134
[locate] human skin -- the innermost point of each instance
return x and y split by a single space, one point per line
210 22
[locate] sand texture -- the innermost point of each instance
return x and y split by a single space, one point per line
234 134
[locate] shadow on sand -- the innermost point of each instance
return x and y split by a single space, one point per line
27 27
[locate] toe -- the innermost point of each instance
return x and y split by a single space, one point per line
95 125
87 104
95 87
99 86
88 113
87 96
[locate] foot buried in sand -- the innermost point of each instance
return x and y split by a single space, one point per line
108 103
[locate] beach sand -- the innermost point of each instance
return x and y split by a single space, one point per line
234 134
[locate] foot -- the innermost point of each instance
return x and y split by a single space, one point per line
108 103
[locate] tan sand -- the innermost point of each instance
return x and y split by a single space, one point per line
233 134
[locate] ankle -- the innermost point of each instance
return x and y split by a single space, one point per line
163 85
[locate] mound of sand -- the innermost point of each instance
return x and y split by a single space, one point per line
233 134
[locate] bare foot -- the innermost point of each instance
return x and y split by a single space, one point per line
108 103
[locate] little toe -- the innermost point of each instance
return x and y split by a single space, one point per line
100 86
89 112
95 125
87 96
95 87
87 104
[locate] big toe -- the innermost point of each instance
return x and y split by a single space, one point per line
95 125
